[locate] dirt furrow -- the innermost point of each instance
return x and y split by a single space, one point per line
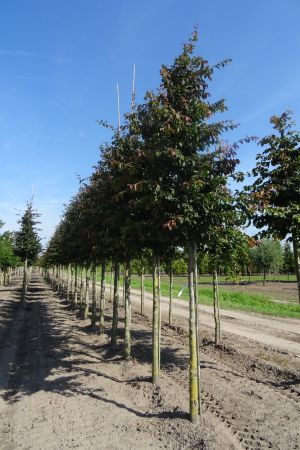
229 395
280 333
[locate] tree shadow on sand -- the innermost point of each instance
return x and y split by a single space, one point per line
42 360
9 307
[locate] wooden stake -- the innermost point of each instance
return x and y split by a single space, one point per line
118 101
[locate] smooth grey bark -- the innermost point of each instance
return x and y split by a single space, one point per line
68 281
81 292
197 325
296 252
102 299
193 341
142 290
25 280
216 308
170 294
94 292
127 337
111 284
114 330
156 321
75 285
87 294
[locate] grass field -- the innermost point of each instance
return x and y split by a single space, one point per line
206 279
246 301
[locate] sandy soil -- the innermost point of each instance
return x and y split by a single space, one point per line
63 387
279 332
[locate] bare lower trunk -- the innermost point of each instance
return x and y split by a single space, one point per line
102 299
81 289
127 338
216 308
114 330
72 285
111 284
170 295
197 325
61 280
143 290
68 281
87 296
124 289
25 281
297 260
75 286
194 385
156 321
94 293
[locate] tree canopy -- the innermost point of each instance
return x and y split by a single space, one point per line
27 241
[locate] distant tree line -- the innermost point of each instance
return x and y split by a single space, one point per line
255 257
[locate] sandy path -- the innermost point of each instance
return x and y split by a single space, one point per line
63 387
282 333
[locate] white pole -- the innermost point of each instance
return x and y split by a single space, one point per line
118 99
133 88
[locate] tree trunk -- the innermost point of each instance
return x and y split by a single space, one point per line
170 294
124 288
297 259
68 281
72 285
81 289
264 278
75 285
86 298
143 290
102 299
61 283
194 386
197 326
127 338
156 321
114 330
111 283
25 281
216 308
94 293
56 278
61 280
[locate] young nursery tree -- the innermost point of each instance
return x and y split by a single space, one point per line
276 189
267 256
27 241
178 131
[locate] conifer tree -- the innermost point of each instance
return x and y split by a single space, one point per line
27 242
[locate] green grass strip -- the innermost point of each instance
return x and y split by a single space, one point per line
243 301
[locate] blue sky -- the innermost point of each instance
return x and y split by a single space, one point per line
60 61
